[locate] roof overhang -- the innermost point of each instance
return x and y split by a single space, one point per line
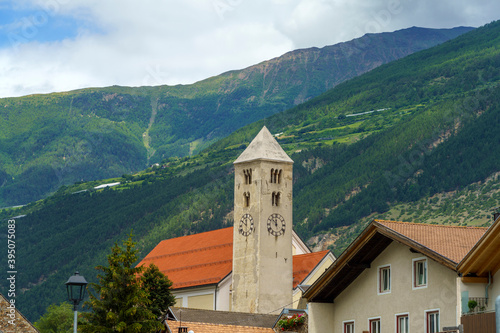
351 263
484 257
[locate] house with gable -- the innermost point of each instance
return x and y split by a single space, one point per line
259 265
398 277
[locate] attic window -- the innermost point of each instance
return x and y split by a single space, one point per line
248 176
419 273
384 279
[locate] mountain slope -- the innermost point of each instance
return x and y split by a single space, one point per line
57 139
418 127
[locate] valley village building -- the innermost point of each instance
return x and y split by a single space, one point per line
410 277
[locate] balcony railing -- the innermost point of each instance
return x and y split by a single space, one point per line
477 304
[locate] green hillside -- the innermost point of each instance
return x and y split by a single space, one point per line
58 139
393 139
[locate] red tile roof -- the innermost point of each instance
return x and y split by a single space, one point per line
207 258
194 260
452 242
303 264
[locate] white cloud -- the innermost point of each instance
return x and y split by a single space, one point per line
168 42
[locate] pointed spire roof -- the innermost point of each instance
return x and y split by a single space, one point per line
264 147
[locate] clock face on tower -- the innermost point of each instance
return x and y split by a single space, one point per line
276 225
246 225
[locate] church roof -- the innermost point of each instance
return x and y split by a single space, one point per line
201 259
303 264
207 258
264 147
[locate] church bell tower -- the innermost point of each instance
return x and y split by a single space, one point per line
262 279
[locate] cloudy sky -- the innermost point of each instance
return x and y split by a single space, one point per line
60 45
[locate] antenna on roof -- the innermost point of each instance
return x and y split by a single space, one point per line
182 329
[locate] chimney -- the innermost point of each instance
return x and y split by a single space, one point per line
183 329
496 215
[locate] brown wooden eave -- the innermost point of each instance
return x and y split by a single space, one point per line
484 258
359 256
348 266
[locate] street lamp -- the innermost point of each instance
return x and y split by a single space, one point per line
76 289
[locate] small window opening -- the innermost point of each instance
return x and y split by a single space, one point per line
276 176
248 175
247 199
275 199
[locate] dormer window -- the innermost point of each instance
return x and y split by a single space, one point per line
248 176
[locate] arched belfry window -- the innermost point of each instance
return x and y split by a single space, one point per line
248 176
246 196
275 201
276 176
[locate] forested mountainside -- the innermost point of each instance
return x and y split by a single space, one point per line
57 139
417 132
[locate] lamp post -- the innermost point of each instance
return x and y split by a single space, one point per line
76 290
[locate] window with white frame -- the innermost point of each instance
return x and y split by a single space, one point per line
349 327
432 321
384 279
402 323
374 325
420 273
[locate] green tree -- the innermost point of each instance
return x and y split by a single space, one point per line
158 287
57 319
120 304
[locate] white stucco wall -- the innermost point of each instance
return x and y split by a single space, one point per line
494 290
479 290
361 300
320 318
183 297
223 296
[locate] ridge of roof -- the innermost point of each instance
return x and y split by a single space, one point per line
429 225
264 147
